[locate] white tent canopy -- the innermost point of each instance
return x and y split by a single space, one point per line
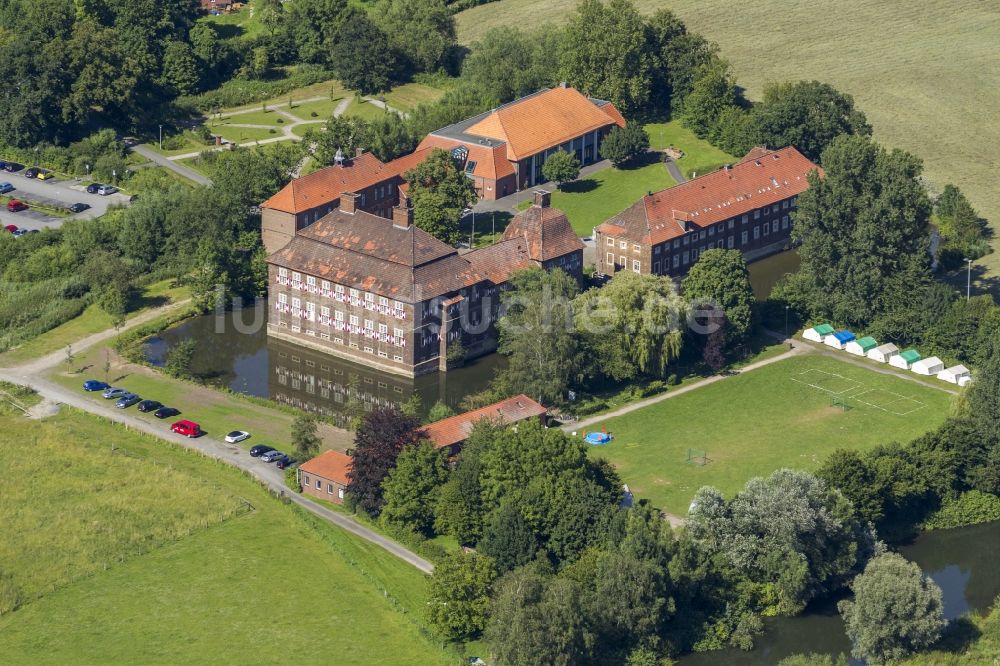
928 366
954 374
883 353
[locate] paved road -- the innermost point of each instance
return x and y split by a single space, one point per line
179 169
674 171
32 374
54 192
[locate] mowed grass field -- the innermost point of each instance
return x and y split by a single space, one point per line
181 584
766 419
925 73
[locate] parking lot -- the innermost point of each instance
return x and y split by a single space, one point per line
54 192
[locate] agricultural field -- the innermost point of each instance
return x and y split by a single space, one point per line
121 559
924 73
787 414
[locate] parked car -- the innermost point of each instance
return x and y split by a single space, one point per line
78 207
33 231
105 190
12 167
127 400
6 187
166 412
149 406
237 436
11 228
286 462
94 385
260 450
93 187
187 428
16 206
44 174
271 456
20 232
112 392
31 172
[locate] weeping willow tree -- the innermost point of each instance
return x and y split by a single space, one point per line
632 327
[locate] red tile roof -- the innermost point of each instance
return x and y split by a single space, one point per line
326 185
332 465
762 178
491 161
546 232
499 260
544 120
455 429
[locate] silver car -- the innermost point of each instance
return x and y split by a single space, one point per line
113 393
271 456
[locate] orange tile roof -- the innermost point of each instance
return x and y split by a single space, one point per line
332 465
326 185
544 120
546 231
455 429
491 161
759 180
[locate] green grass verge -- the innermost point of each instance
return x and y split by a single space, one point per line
322 108
408 96
246 590
760 421
592 200
362 109
92 320
243 134
700 157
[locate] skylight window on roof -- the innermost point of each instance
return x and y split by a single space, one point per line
470 167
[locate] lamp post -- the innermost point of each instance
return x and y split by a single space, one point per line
968 281
786 322
161 137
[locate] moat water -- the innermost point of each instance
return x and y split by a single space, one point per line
961 561
236 352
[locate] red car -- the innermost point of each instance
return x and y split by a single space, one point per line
186 428
11 228
15 206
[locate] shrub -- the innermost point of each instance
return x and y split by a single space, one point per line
969 508
241 91
292 479
313 114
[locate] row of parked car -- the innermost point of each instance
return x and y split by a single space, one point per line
125 399
18 232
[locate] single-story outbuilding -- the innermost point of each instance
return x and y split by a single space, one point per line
325 476
904 360
883 353
954 374
839 339
861 346
817 333
451 433
964 381
928 366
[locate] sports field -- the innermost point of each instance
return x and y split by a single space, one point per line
161 556
789 414
925 73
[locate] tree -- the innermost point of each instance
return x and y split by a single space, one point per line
863 231
507 63
896 610
440 192
536 334
962 229
713 92
305 437
439 410
258 65
508 538
678 56
383 433
814 659
632 326
180 68
622 145
421 31
347 134
807 115
720 277
459 597
70 357
788 531
561 167
361 56
605 54
712 354
389 137
178 361
314 27
411 488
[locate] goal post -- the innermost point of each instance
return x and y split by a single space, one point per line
697 457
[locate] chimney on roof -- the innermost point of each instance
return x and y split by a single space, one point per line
543 198
402 215
358 152
348 202
563 84
339 157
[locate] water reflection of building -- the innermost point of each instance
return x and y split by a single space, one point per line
341 390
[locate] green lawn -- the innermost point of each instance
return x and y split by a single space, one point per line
409 95
322 108
700 157
249 589
92 320
924 73
258 117
755 423
592 200
244 134
363 109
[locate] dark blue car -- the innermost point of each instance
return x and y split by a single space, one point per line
94 385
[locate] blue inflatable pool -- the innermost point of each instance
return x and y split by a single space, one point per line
597 438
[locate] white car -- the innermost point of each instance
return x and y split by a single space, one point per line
237 436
